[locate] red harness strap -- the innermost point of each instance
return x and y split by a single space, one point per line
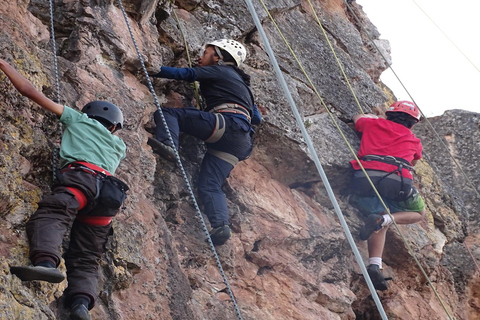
93 167
82 200
95 220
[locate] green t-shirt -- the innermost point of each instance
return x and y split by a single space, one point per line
87 140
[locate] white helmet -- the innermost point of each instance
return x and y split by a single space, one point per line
235 48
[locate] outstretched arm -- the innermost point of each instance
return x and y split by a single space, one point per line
27 89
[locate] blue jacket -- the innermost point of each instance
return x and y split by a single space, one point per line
218 84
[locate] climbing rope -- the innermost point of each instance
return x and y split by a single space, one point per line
362 168
335 55
195 84
446 36
316 160
180 165
471 255
55 149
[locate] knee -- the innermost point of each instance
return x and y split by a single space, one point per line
419 216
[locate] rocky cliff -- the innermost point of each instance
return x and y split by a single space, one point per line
288 258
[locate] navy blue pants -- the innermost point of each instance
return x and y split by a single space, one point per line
214 171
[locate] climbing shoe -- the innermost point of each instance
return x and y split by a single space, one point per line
79 312
162 149
25 273
377 278
372 223
220 235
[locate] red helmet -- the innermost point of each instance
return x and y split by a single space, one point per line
406 107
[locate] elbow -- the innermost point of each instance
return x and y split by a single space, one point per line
27 90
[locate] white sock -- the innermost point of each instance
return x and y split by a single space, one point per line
387 220
375 260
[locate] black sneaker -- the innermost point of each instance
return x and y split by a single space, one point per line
25 273
162 149
372 223
220 235
377 278
79 312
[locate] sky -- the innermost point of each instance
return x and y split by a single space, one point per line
437 75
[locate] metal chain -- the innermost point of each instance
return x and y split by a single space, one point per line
55 151
180 165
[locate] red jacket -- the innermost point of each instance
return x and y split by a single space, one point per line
386 138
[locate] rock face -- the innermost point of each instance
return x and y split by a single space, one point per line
288 258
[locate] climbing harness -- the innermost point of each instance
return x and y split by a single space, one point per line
314 155
396 161
180 165
230 158
400 164
219 130
233 108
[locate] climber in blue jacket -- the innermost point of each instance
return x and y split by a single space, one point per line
225 124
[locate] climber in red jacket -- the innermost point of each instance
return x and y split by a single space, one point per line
388 152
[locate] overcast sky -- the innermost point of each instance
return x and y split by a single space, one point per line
435 73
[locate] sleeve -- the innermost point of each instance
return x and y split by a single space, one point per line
418 153
362 123
187 74
70 115
256 116
210 72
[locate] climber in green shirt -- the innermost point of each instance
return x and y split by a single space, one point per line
86 194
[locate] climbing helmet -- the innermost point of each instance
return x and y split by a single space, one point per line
234 48
106 111
406 107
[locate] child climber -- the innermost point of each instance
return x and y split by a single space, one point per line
388 152
85 193
225 124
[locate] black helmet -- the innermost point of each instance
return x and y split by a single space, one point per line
104 110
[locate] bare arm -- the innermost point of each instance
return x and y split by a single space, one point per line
356 117
414 162
27 89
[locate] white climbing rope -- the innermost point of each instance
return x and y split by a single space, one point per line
316 160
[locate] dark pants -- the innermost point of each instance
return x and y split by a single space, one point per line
48 225
214 171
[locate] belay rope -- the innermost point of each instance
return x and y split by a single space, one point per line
55 149
180 165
